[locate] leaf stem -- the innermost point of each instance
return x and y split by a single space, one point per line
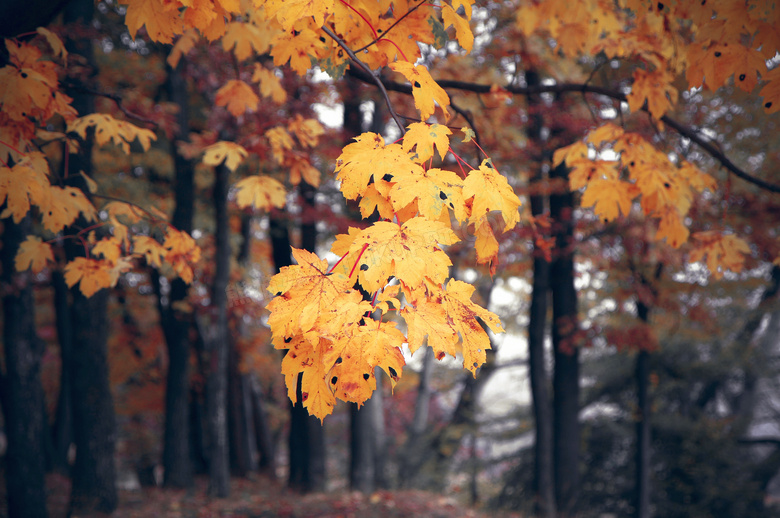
358 260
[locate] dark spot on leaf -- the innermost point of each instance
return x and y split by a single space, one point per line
363 267
718 54
452 206
631 163
287 339
341 53
666 184
334 380
278 293
742 77
417 85
392 372
304 396
442 195
339 360
322 39
768 105
476 365
660 6
388 177
440 355
24 75
379 31
366 376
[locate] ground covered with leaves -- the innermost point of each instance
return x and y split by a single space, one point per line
263 497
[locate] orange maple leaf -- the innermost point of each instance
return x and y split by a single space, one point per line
424 137
723 252
229 152
33 253
92 274
237 96
490 192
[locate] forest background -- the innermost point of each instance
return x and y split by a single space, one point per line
575 203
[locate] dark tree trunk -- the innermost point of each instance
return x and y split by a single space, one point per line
22 392
566 378
413 448
243 451
264 437
216 340
544 478
178 470
63 423
94 474
642 489
361 447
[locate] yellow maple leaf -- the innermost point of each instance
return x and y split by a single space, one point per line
317 397
435 190
182 46
280 141
109 248
109 129
244 38
303 292
33 253
181 252
290 11
162 20
424 137
654 87
270 85
297 49
771 90
723 252
65 205
672 228
307 131
462 30
372 200
609 198
410 252
260 192
120 208
153 252
606 132
92 274
24 91
301 169
229 152
425 90
237 96
459 331
486 244
54 41
584 171
22 185
491 191
368 158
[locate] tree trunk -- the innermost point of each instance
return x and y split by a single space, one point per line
22 392
361 447
264 438
642 490
566 378
413 448
63 423
544 477
216 341
177 464
94 474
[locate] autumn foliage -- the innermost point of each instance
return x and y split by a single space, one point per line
341 319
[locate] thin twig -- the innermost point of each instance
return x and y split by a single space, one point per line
399 20
117 99
366 70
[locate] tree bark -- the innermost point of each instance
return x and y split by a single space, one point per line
176 325
412 450
566 387
361 447
94 474
264 437
216 341
63 423
544 475
22 392
642 488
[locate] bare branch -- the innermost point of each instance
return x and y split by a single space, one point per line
118 100
367 74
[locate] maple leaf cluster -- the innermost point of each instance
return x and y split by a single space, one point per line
30 99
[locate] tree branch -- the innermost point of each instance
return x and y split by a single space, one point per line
367 74
117 99
561 88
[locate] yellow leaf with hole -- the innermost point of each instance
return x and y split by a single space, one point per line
425 91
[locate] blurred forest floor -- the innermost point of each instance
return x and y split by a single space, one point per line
264 497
